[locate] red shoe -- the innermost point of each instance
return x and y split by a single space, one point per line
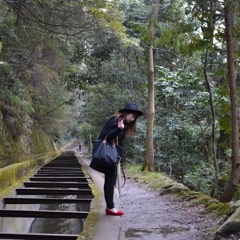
109 212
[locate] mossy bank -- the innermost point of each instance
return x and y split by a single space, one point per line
19 156
34 141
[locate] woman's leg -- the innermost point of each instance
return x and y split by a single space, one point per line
110 181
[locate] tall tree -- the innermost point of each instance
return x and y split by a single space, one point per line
210 87
149 155
235 173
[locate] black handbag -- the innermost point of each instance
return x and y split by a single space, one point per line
105 154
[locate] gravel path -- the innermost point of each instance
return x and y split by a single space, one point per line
149 216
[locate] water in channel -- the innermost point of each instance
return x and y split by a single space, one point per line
58 225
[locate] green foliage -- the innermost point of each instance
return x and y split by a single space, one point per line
84 132
182 107
14 102
134 147
103 71
224 109
200 178
31 96
16 114
82 49
136 17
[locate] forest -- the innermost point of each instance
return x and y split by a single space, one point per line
66 66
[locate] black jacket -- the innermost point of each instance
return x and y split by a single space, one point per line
112 131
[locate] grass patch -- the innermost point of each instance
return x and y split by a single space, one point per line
155 180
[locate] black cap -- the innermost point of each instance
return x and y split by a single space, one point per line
131 107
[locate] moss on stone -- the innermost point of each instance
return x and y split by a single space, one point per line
18 183
160 183
217 207
155 180
231 225
174 189
223 209
201 200
15 150
188 195
13 173
93 217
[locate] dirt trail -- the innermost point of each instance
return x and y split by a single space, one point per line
149 216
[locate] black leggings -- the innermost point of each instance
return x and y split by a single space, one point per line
109 184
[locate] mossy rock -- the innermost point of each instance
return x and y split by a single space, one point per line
201 200
211 202
156 185
217 207
188 195
174 189
224 208
233 208
236 204
168 186
231 225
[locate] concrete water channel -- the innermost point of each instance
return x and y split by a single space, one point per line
53 204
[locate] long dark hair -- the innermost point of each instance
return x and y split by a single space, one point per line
131 128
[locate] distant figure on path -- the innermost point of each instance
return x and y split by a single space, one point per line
79 147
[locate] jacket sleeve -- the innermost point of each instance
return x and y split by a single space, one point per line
111 129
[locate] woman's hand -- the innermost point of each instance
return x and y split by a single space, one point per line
121 124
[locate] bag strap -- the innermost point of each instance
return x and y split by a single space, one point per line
123 173
114 141
124 176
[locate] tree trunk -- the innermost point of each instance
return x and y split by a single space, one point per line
208 82
214 142
233 181
90 143
149 155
